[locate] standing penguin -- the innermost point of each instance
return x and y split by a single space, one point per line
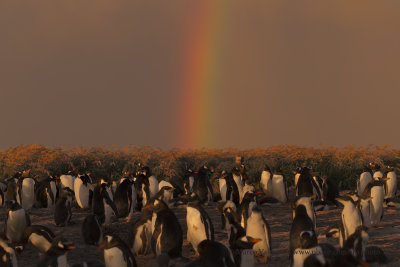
258 227
351 218
231 191
83 190
297 173
153 182
56 255
225 208
376 192
199 224
202 186
266 181
16 222
306 184
301 223
102 204
245 208
237 177
188 181
92 231
68 180
167 234
391 185
213 254
26 191
306 201
116 252
40 237
140 235
125 198
363 203
63 211
11 192
7 255
279 186
365 179
45 195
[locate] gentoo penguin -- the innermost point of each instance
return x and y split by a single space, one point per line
319 186
365 179
125 198
83 190
116 252
248 187
11 192
140 235
296 173
26 191
202 186
222 186
224 208
363 203
301 223
199 224
279 186
306 184
40 237
102 204
68 180
45 196
237 177
167 234
377 172
245 208
391 185
56 254
142 186
213 254
266 181
165 194
92 230
16 222
329 191
153 182
232 191
7 254
375 190
351 218
188 181
258 227
357 243
306 201
63 211
242 250
308 248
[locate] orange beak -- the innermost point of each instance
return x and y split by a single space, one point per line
385 179
256 240
101 247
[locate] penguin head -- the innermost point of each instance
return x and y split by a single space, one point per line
17 175
307 239
249 196
12 205
155 204
267 168
246 242
146 171
110 241
353 195
300 210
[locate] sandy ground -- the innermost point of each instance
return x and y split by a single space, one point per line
278 216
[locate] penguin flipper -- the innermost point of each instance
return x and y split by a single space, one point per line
27 219
154 237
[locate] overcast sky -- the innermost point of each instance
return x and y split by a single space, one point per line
109 72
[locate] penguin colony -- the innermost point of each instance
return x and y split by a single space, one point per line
157 230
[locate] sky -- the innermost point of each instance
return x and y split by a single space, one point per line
193 74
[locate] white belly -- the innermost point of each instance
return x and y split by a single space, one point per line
67 181
41 243
365 179
195 228
239 184
266 183
391 185
164 183
296 178
53 189
278 188
28 193
366 214
16 224
257 229
222 189
153 186
377 204
81 194
377 175
114 257
108 212
351 220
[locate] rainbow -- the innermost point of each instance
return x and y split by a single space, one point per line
199 79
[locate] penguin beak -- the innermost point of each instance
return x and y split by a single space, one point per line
255 240
259 193
70 247
364 264
341 200
101 247
385 179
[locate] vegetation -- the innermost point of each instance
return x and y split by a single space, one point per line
343 165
